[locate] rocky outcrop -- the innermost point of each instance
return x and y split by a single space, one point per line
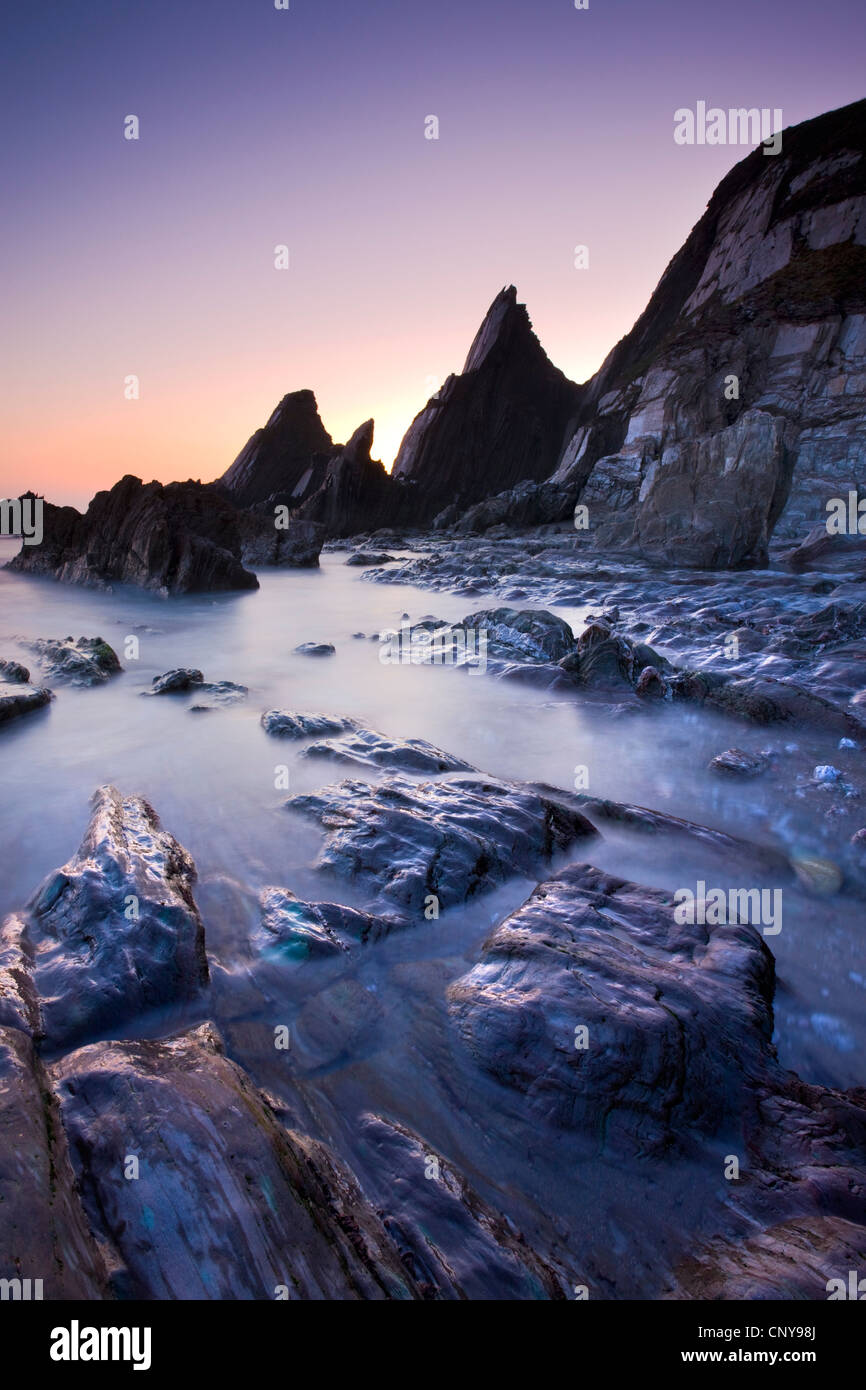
82 662
502 420
113 933
661 1003
736 405
352 492
279 458
404 841
737 400
227 1202
330 490
181 538
602 1015
296 545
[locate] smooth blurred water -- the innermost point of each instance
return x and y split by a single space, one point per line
211 776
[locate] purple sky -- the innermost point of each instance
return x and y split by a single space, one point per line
306 127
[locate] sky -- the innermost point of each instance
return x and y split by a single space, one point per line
305 128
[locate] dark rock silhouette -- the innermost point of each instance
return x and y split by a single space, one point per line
277 457
501 421
180 538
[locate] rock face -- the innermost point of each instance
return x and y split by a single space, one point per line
44 1234
502 420
278 1212
403 841
352 492
181 538
737 403
295 546
116 931
600 1015
276 460
662 1005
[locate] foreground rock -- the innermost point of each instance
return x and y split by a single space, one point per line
404 841
231 1204
17 699
315 649
228 1204
679 1019
180 680
599 1013
184 679
44 1234
115 932
13 673
735 763
454 1244
294 930
178 539
527 634
369 749
87 661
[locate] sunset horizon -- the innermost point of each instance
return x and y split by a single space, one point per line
155 256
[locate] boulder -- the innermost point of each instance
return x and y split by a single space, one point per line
287 724
81 662
115 932
403 841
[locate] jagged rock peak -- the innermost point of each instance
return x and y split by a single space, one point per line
501 319
277 456
361 443
300 408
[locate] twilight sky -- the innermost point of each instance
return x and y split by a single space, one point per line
306 127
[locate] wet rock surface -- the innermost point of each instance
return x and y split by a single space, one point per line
404 841
369 749
287 724
279 1214
17 699
662 1005
115 932
83 661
